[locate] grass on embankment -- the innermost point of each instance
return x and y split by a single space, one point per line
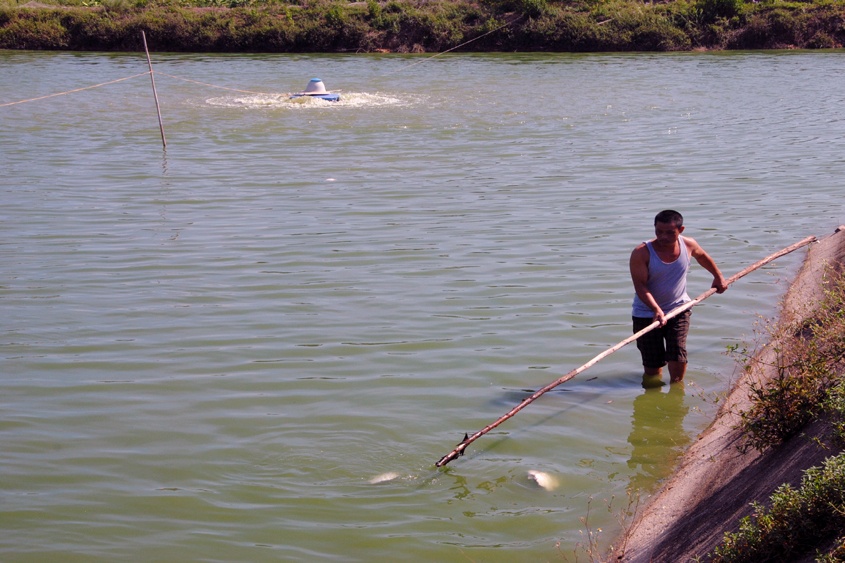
419 25
808 386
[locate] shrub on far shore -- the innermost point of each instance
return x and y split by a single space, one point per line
419 25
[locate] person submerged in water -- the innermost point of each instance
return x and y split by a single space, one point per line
659 270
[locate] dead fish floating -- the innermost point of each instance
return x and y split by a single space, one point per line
544 480
384 478
316 89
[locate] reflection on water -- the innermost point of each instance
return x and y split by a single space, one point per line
657 435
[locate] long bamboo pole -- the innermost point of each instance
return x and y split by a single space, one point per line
459 450
155 94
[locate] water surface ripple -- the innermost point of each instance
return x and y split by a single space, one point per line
212 352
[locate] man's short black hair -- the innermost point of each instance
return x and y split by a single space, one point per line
669 216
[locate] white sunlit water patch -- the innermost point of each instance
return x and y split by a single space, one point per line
347 100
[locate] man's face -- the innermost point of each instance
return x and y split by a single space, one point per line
667 234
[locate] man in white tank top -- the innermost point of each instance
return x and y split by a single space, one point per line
659 271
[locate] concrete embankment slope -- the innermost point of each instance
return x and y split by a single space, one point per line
714 483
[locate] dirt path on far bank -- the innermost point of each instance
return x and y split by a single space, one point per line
714 484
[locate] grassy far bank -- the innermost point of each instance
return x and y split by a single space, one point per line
406 26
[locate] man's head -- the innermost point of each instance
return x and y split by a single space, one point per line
668 226
670 217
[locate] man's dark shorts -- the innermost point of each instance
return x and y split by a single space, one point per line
674 333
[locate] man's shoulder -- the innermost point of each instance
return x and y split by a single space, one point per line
690 242
640 251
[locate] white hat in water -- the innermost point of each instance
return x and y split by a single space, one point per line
315 86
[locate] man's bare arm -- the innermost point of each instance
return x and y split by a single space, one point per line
707 262
639 275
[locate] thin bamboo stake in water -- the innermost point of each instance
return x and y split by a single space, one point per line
459 450
155 94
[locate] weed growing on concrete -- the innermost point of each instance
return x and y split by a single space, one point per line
809 363
808 357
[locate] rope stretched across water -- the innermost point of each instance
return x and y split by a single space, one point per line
74 90
150 72
504 25
459 449
219 87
